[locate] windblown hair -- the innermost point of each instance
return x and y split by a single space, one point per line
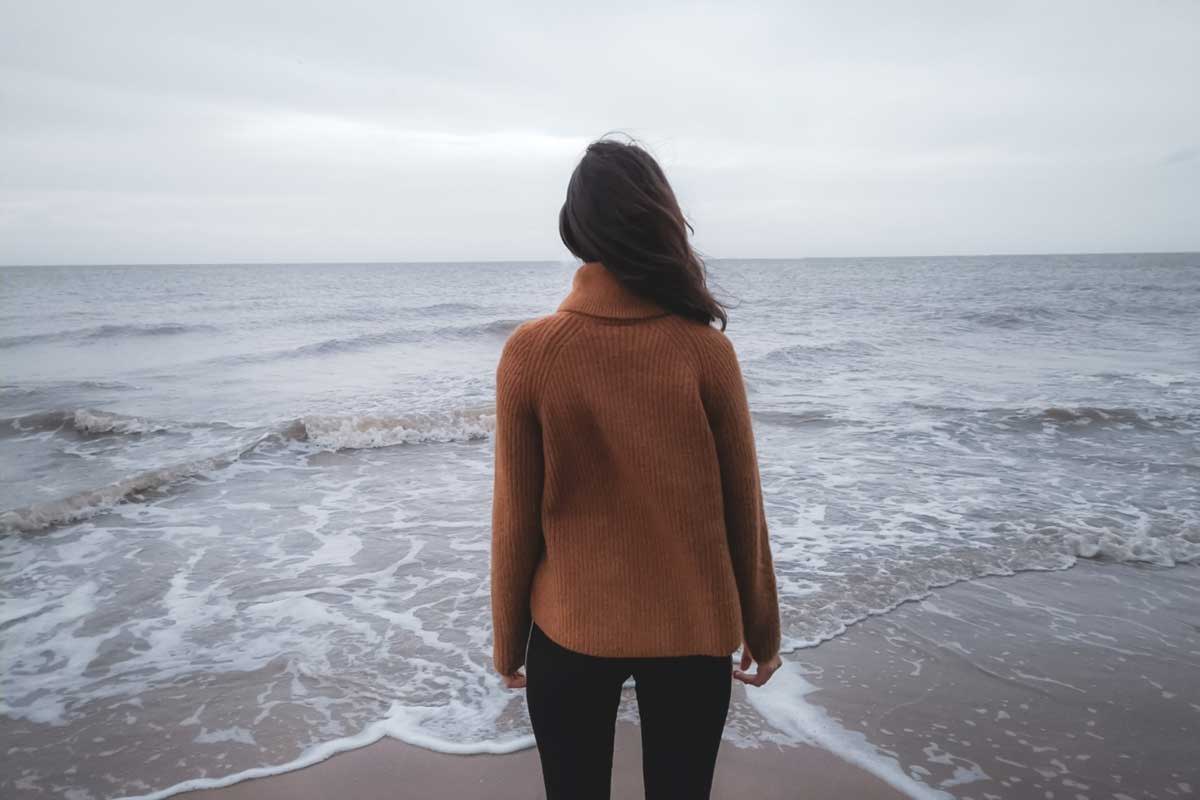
621 211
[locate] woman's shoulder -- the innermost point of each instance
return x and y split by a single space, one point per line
531 339
532 332
711 345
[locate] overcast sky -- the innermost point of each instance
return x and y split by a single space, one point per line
346 131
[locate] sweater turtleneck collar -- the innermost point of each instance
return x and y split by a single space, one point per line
597 292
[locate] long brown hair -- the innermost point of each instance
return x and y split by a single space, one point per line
621 211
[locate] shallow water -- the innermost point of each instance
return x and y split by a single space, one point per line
245 509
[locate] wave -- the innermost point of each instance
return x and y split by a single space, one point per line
322 432
99 332
445 308
55 388
366 341
804 354
362 432
90 502
1075 417
1011 316
1086 415
91 422
1094 417
85 421
1164 380
331 432
815 417
382 312
1181 547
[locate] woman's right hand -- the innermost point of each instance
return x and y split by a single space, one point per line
514 681
761 674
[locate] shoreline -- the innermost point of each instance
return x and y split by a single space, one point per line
1014 686
374 770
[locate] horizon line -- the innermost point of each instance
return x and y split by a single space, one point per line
458 261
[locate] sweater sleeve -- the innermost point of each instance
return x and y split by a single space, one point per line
745 517
516 545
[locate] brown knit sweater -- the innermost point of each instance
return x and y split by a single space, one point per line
627 516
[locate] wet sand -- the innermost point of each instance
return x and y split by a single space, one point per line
391 769
1076 684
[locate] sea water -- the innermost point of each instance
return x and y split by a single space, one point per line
244 508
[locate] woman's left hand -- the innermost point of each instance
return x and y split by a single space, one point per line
514 681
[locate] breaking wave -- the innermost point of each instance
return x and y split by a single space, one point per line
361 432
85 421
1133 546
90 502
321 432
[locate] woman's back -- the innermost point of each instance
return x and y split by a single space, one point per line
627 494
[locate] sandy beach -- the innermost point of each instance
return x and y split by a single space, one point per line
390 769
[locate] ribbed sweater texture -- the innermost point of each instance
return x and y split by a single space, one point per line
627 512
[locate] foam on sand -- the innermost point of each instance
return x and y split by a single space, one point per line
781 703
403 723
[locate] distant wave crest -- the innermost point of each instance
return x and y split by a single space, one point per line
807 354
1096 417
1011 316
1078 418
104 332
801 418
366 341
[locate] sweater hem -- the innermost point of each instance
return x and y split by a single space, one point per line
576 646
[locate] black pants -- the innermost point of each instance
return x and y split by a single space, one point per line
573 699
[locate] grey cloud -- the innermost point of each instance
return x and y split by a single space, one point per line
372 131
1182 156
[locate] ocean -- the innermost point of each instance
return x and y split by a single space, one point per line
244 509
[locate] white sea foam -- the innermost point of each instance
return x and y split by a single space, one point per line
359 432
90 421
782 702
402 723
1137 547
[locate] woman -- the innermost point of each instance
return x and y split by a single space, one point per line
628 531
